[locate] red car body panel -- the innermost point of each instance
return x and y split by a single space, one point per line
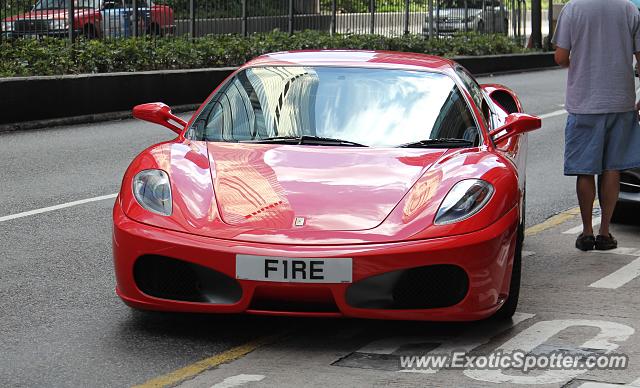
232 198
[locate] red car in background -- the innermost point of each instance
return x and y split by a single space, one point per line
92 19
329 184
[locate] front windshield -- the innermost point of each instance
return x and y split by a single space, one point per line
373 107
64 4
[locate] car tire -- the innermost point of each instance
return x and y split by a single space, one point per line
154 30
625 213
89 32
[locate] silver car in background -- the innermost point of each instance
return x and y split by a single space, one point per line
482 16
630 186
628 207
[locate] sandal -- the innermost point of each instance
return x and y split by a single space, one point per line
585 243
605 243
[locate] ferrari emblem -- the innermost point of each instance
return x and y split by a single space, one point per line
299 221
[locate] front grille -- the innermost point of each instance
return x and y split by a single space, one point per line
428 287
168 278
31 26
450 19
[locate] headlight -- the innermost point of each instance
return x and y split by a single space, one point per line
58 24
7 26
152 190
465 199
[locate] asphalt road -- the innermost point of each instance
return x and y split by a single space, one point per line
61 323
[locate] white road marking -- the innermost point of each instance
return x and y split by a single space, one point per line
621 277
620 251
593 384
392 344
444 344
539 333
553 114
596 221
56 207
238 380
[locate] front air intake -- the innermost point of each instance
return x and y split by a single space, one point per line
427 287
172 279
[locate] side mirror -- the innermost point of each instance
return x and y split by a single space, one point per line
515 124
159 113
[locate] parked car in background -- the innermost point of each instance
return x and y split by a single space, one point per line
483 16
92 19
629 198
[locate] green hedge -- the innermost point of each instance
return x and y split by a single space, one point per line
28 57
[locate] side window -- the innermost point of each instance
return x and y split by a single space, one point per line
455 120
231 117
476 93
215 123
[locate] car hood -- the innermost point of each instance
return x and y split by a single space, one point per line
312 187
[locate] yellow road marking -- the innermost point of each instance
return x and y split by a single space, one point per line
190 371
553 221
556 220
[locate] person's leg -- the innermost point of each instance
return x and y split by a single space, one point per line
586 189
584 143
608 197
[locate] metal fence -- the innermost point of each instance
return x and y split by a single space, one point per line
103 19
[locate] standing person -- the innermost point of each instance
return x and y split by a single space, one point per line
596 40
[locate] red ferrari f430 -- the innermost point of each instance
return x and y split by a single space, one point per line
331 184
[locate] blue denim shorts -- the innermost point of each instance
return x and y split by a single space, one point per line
600 142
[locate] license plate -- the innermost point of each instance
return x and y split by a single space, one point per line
293 270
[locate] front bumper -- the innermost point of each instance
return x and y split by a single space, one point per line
485 256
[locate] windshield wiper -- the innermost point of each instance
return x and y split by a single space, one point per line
438 143
306 139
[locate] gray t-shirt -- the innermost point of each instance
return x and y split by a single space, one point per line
602 36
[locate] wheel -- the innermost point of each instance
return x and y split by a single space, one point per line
89 32
626 213
154 30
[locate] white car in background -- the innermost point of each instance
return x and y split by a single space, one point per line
482 16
